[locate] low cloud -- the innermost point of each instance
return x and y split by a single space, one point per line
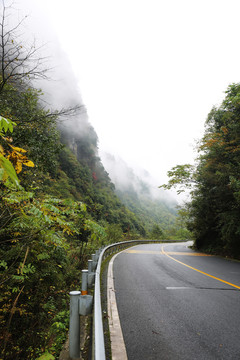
138 180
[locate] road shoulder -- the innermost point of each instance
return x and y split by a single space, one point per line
117 341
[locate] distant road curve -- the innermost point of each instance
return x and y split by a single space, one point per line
176 304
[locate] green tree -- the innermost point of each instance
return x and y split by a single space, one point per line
156 232
181 223
215 206
181 177
114 233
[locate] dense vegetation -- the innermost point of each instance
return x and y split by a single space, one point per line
214 212
152 212
136 189
57 205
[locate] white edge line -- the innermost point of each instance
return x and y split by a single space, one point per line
116 336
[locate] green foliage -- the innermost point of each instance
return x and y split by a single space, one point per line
114 233
98 233
148 211
7 172
156 232
58 331
97 192
179 230
180 175
36 236
218 178
5 125
46 356
36 128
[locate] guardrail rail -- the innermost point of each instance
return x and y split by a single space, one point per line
81 303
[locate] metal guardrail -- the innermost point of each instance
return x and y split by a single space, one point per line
81 303
98 334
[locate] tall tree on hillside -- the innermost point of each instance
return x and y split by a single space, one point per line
216 201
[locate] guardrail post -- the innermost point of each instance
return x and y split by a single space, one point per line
85 304
94 263
90 266
96 256
84 290
91 274
74 325
85 301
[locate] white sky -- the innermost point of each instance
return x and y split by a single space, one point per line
149 71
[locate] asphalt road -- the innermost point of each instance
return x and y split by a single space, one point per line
172 311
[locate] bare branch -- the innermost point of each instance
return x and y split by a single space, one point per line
17 61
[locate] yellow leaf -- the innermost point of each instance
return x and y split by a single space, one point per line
18 167
1 150
28 163
18 149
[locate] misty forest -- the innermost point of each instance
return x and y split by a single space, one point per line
59 204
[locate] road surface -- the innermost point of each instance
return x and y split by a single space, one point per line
175 304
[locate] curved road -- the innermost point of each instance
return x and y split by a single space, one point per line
174 303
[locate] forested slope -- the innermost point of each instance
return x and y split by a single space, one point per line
136 190
151 211
57 203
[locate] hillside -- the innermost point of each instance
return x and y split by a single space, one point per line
140 195
58 204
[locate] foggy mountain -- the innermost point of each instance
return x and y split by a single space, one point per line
137 190
137 180
62 91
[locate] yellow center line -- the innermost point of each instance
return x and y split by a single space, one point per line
202 272
142 252
186 253
160 252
